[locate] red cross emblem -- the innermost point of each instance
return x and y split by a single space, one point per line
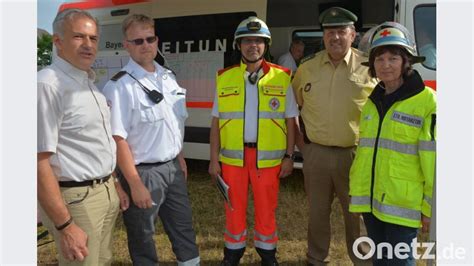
385 33
274 103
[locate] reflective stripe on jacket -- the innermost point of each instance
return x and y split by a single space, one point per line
271 132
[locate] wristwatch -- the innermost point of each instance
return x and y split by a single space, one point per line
290 156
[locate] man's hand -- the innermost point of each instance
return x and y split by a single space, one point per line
182 163
73 241
425 223
300 144
123 197
140 195
286 167
214 170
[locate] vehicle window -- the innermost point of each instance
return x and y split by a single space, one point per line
425 33
195 47
110 37
313 40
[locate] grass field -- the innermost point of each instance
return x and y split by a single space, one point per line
208 218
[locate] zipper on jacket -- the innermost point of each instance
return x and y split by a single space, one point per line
243 126
433 126
258 119
376 144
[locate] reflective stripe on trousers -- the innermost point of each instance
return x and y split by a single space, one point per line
265 185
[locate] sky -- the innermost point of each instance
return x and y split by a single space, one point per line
47 10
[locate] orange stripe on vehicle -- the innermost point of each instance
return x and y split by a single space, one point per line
99 4
431 84
199 104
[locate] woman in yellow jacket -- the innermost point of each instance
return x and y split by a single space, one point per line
391 179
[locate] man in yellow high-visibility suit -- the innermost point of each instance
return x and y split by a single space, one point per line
252 135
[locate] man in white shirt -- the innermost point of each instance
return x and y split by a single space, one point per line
292 58
76 152
148 110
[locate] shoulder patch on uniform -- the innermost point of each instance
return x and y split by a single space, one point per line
311 56
118 75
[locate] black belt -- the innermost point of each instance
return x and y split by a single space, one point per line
250 144
84 183
153 164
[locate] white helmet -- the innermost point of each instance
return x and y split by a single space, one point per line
390 33
253 27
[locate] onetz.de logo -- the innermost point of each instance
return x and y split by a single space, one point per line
402 250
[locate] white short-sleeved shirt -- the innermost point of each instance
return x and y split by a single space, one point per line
287 60
251 108
154 132
74 123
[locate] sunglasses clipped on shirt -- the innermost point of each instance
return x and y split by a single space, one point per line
140 41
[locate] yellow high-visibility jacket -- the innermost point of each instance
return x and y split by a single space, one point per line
271 136
393 171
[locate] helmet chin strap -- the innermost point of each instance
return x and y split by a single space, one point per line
251 61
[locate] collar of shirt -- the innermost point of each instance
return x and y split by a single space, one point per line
139 72
72 71
157 80
346 59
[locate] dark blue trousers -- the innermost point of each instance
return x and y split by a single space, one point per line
393 234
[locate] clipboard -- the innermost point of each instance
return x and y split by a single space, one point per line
224 189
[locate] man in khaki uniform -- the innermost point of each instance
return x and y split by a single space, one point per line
331 87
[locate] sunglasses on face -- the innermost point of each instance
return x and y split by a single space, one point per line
141 40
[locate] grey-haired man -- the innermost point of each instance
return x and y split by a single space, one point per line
76 152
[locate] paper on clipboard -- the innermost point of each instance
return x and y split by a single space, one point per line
224 189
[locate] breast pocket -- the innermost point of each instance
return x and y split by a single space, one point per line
150 113
277 91
228 91
359 83
357 79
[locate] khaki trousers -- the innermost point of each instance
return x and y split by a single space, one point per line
94 209
326 173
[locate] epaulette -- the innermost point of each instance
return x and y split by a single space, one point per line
171 70
311 56
118 75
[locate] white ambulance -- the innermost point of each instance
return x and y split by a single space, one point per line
195 37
